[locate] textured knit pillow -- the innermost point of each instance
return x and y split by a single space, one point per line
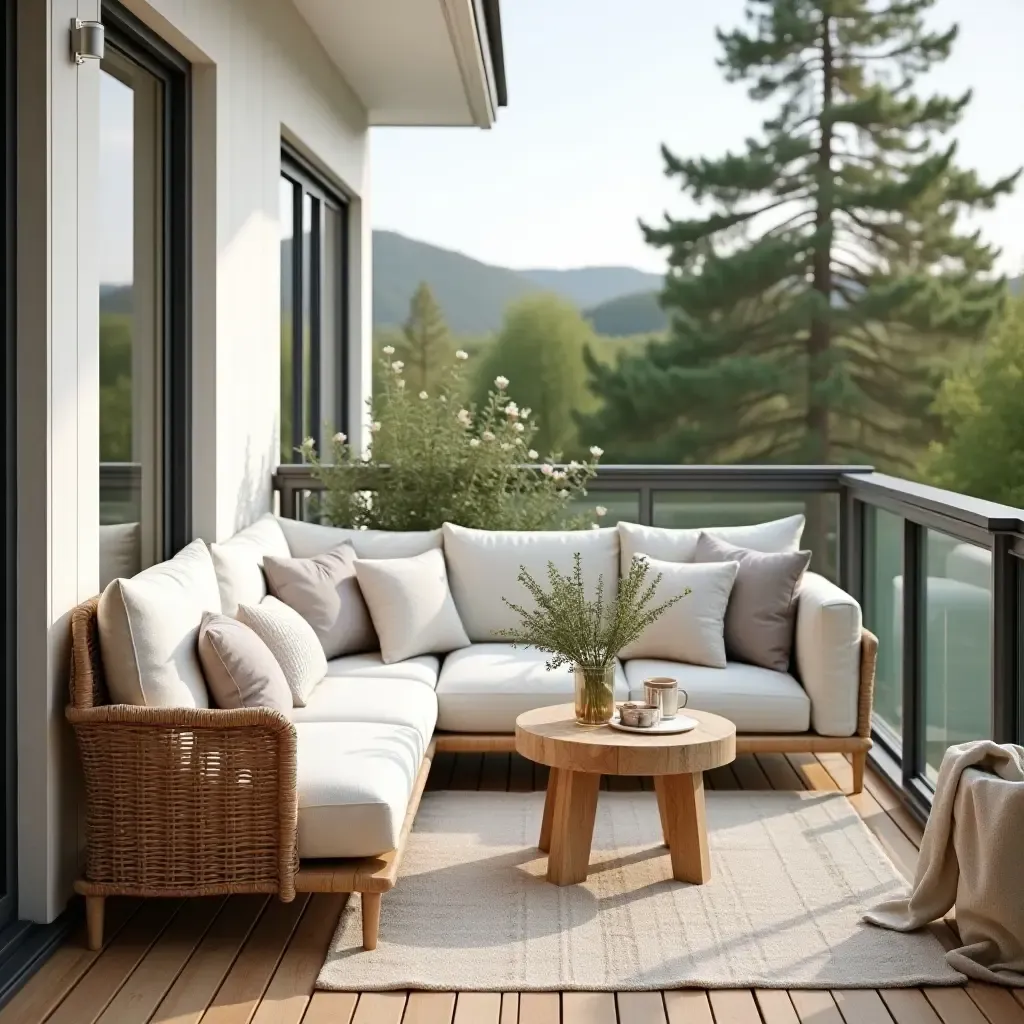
411 605
762 607
240 670
692 630
292 642
325 592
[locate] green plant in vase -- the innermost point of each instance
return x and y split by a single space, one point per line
587 634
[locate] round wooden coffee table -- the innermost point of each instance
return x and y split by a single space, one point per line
579 755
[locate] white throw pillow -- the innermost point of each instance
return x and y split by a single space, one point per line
292 641
681 545
693 629
306 540
148 628
483 566
239 562
411 605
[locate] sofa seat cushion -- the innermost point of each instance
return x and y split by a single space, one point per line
754 699
373 699
423 669
485 687
354 784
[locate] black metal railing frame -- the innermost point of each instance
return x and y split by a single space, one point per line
998 528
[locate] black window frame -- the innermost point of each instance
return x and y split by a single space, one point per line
133 39
305 180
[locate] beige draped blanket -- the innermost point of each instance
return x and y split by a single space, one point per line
972 857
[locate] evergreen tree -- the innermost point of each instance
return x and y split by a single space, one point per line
540 350
426 346
815 293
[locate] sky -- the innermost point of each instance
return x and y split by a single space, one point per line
595 87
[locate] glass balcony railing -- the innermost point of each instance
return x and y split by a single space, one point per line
940 577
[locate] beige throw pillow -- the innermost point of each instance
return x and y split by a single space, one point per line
291 641
240 670
692 630
411 605
762 607
325 592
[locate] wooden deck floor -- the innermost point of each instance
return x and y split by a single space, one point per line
242 959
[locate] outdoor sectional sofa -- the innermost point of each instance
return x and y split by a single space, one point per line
188 801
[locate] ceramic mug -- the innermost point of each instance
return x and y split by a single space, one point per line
665 692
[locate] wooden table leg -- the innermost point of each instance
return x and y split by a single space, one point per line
681 802
659 782
544 843
572 826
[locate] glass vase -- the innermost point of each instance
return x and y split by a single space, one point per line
595 697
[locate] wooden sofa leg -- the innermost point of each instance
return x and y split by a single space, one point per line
860 760
371 919
94 906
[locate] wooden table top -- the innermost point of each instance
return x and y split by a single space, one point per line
552 736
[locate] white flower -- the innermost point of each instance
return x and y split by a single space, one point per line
308 444
575 465
487 436
388 350
518 427
474 442
401 384
558 474
546 469
398 366
374 426
600 511
525 413
563 493
596 452
501 383
424 395
594 526
505 446
461 354
512 410
532 454
463 417
340 438
442 398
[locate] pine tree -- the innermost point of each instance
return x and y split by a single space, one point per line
814 296
426 345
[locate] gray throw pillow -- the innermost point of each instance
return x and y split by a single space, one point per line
325 592
240 670
762 607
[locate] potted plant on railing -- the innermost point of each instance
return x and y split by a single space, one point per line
587 634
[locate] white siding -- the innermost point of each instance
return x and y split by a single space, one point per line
259 73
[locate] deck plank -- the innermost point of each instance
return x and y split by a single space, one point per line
775 1005
429 1008
862 1006
143 992
954 1006
588 1008
780 772
441 769
478 1008
909 1006
466 773
93 993
812 772
813 1006
509 1008
195 987
539 1007
250 974
996 1003
380 1008
734 1006
749 773
494 775
44 991
520 775
688 1006
641 1007
331 1008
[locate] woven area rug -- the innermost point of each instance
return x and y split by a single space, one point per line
791 873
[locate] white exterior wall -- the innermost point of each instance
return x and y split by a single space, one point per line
258 74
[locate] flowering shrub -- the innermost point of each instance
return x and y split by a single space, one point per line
433 461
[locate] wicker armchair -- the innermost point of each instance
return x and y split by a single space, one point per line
179 802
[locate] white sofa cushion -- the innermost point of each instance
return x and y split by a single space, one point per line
148 628
486 687
308 539
969 564
292 642
827 649
354 782
239 562
366 699
693 629
483 567
411 605
240 669
681 545
120 551
423 669
754 699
